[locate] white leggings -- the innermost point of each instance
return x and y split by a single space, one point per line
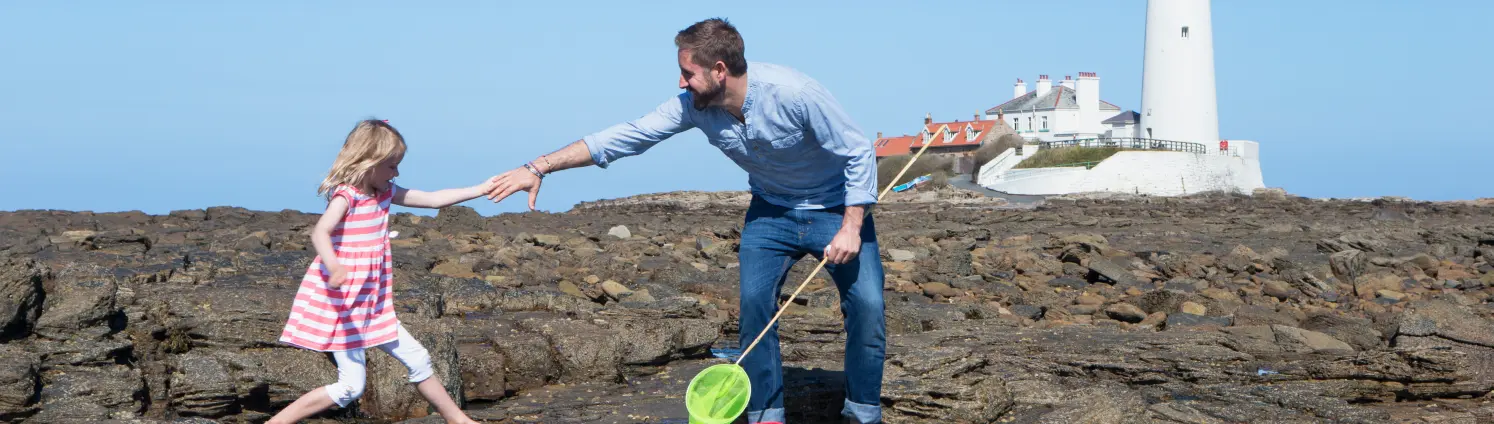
352 367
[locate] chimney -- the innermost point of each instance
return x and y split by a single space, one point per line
879 135
928 118
1068 81
1019 89
1043 85
1088 97
976 118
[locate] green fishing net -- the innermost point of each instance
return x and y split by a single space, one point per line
718 394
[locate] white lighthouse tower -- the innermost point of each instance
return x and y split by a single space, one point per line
1177 80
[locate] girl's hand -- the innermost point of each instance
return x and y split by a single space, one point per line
514 181
486 186
339 275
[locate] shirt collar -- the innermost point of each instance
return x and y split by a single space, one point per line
751 95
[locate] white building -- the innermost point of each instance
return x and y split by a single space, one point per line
1122 125
1069 110
1177 149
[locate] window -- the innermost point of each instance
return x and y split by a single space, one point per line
1185 32
1045 122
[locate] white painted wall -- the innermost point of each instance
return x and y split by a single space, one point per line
1122 130
1063 124
1151 173
1067 121
1038 180
993 171
990 170
1031 123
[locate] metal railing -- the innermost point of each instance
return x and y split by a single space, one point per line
1129 143
1086 165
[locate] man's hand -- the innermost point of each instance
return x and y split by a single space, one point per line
520 179
339 275
844 247
847 242
514 181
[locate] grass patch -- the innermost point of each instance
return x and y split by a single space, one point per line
1069 156
942 167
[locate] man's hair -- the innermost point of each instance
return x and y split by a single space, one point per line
714 40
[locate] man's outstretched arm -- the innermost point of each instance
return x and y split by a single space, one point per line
600 149
574 155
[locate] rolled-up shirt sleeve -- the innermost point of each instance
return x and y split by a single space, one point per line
836 133
637 136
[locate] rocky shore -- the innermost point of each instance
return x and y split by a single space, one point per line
1210 308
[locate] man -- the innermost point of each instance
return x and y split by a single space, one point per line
812 175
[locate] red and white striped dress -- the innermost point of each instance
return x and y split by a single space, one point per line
360 314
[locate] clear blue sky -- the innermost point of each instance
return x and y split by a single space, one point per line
177 104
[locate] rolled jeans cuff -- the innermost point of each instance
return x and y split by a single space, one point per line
771 415
862 413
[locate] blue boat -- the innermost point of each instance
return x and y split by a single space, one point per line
916 182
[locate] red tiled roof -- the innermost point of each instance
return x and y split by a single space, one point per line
894 146
958 127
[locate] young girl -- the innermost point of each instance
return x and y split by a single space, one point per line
346 301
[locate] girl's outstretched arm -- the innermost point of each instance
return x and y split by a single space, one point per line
439 198
321 238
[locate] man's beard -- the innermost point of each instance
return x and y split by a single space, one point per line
703 99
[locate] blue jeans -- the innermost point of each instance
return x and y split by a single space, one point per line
773 239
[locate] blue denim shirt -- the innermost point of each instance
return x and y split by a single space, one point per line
799 148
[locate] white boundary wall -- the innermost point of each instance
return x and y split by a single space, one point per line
991 172
1142 172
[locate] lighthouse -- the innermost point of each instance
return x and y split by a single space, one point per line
1177 78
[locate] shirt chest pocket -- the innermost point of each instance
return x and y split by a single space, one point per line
789 146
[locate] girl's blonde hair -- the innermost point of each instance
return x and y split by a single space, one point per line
370 143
